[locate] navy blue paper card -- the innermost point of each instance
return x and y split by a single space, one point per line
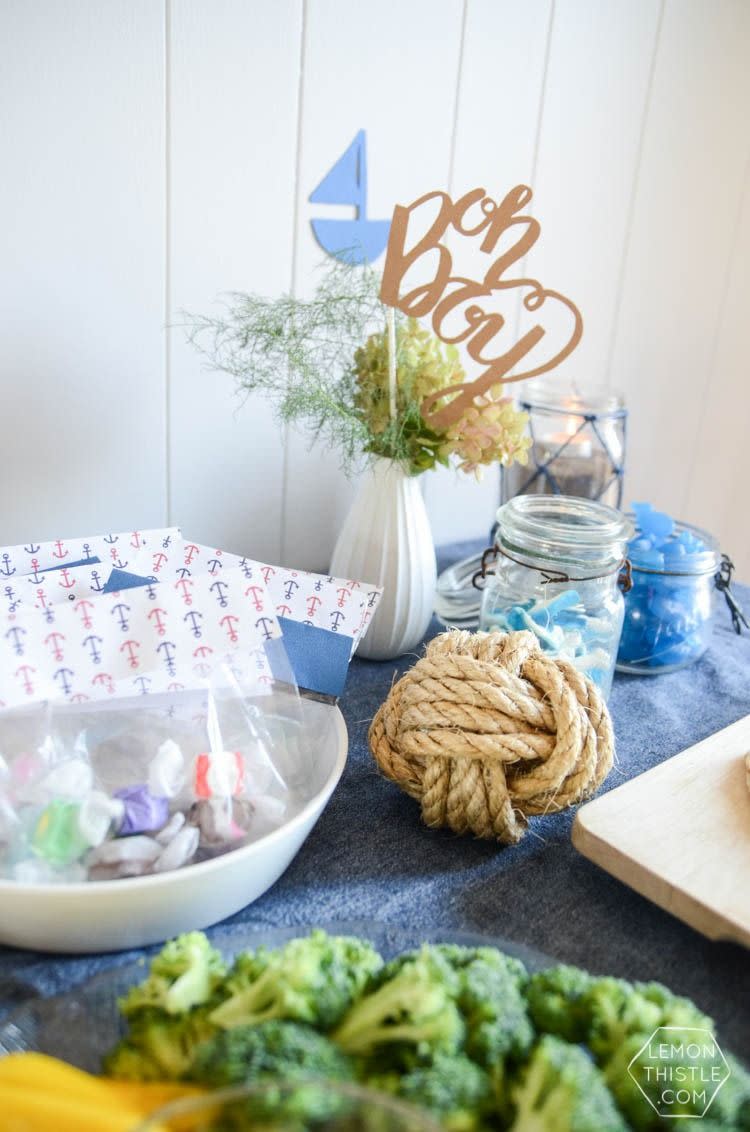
71 565
123 580
319 658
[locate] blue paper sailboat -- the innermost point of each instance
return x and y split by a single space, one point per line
351 241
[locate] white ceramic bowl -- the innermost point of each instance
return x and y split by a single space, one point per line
119 914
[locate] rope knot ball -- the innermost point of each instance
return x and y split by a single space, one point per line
486 730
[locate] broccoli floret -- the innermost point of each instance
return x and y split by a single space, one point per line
416 1007
159 1047
493 1007
619 1009
732 1103
452 1087
558 1003
275 1051
128 1063
604 1012
486 986
561 1090
623 1016
629 1098
459 956
315 980
168 1013
675 1009
287 1050
185 973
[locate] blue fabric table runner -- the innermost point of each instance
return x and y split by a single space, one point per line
370 857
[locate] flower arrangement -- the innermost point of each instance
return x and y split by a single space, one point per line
327 368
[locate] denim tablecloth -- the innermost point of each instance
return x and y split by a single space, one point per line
369 857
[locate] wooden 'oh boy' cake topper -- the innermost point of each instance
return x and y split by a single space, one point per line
506 236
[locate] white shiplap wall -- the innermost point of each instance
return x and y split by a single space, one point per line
82 266
158 152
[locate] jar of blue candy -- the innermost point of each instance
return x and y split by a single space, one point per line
668 610
554 571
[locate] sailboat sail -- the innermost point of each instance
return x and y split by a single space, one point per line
358 240
346 182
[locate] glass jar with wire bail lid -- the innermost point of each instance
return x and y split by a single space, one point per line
555 571
668 612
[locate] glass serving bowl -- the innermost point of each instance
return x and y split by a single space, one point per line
273 1106
81 1026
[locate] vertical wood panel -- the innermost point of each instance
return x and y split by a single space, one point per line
718 477
694 153
81 267
83 239
499 102
233 93
596 86
390 69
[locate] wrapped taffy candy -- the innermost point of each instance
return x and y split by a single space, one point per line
150 715
143 785
144 731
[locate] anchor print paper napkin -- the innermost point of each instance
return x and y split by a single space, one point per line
334 604
47 573
43 588
322 618
156 638
112 550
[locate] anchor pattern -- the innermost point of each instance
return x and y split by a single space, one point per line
47 573
335 604
35 557
46 588
130 643
62 636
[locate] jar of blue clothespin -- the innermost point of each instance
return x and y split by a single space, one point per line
677 570
555 570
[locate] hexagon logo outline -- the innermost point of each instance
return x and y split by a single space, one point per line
682 1030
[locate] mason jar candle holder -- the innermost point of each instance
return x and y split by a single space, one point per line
577 445
556 569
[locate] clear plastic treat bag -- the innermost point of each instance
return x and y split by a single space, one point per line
134 786
145 730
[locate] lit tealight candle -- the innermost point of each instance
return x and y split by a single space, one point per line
578 445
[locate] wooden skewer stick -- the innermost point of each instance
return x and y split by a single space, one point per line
391 324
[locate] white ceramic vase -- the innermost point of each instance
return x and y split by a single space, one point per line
386 539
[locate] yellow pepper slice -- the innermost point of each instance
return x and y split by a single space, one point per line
28 1110
39 1093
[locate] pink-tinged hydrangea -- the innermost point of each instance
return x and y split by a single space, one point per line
489 431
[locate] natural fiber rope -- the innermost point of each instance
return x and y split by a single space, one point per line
486 729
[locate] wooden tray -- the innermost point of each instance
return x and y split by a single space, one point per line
680 834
